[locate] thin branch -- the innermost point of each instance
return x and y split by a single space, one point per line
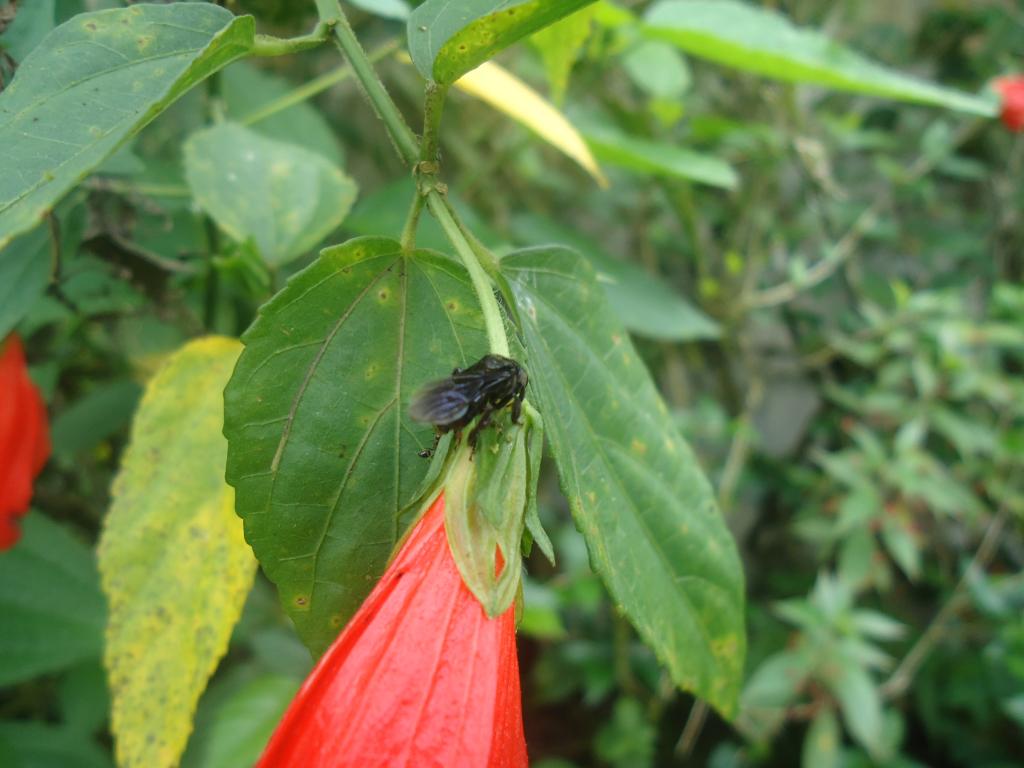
315 86
847 245
691 731
268 45
903 675
374 90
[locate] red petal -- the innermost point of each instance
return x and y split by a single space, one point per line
24 438
420 677
1012 91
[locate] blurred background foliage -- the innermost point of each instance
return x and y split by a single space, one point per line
829 294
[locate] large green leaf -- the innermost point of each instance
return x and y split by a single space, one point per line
90 84
283 197
646 305
657 158
322 452
50 600
762 41
635 488
29 744
175 566
448 39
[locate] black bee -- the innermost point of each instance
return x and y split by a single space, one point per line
484 388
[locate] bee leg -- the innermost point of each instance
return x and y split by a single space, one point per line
426 453
485 421
517 407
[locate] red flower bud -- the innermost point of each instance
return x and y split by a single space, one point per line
419 677
1012 91
24 439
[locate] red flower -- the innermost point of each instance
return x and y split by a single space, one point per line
420 677
24 439
1012 91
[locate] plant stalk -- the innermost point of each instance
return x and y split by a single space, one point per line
386 109
412 222
470 251
497 340
268 45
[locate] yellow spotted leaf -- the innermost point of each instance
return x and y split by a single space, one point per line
504 91
174 565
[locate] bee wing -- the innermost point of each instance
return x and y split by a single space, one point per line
439 403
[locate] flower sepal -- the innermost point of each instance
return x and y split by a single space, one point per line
487 491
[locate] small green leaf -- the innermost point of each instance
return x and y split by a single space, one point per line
658 69
93 82
656 158
646 305
560 45
322 451
770 691
629 738
448 39
634 486
53 612
174 564
861 705
901 543
283 197
764 42
822 742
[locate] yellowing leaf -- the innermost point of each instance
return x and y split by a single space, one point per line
506 92
174 564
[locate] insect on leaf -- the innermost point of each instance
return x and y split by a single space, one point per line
322 450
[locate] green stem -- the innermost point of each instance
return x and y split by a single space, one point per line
402 137
412 222
314 86
483 255
497 340
268 45
131 188
433 107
